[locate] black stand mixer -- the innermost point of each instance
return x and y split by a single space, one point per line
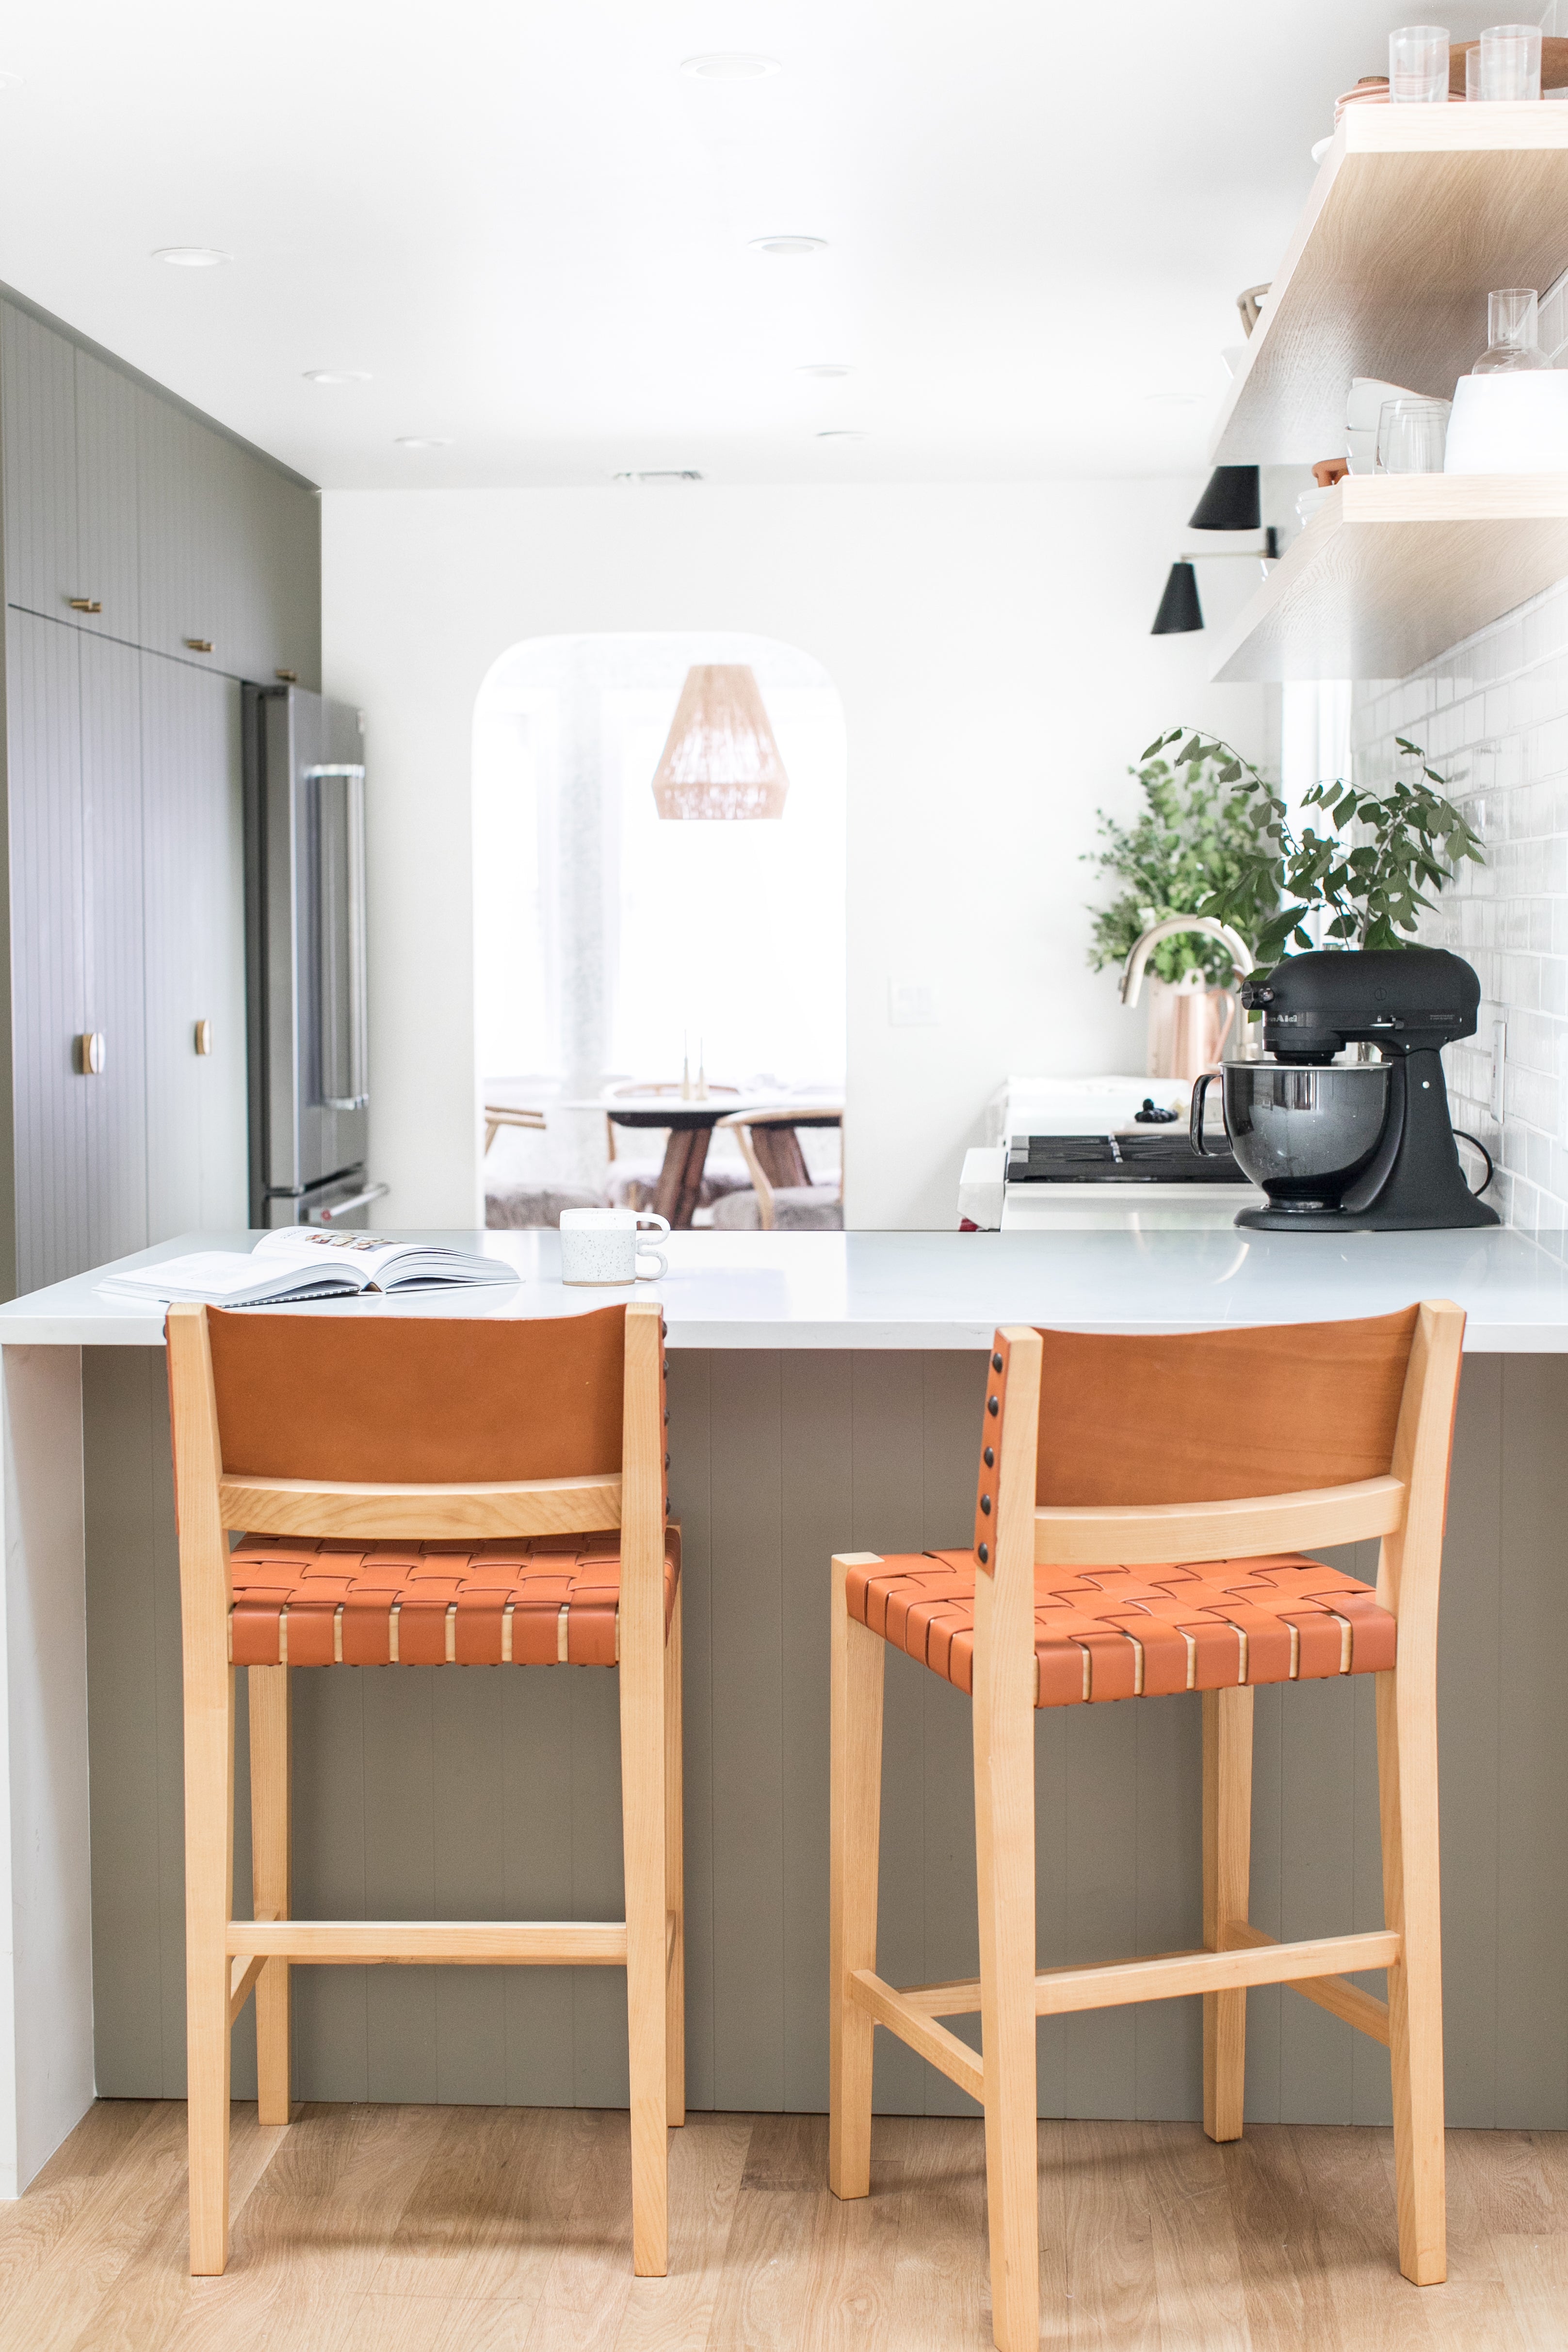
1358 1146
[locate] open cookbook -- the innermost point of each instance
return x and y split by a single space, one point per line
305 1262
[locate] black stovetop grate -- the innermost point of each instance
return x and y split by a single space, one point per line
1118 1160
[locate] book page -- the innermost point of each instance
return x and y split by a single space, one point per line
359 1257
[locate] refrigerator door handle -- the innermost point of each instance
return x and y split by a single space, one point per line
339 818
355 1200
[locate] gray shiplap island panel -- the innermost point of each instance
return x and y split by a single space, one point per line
488 1792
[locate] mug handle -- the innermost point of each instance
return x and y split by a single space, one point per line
651 1218
1195 1125
659 1260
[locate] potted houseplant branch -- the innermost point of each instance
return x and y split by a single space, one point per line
1370 884
1192 838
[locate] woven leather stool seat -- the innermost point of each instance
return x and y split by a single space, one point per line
1132 1633
514 1601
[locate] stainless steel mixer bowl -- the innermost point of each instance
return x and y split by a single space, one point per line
1303 1133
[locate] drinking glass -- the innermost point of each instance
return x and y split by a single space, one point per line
1411 435
1418 64
1510 61
1513 337
1473 73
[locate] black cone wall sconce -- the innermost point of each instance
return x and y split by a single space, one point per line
1232 502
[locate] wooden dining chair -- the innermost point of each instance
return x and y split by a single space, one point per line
419 1493
769 1144
500 1115
1141 1507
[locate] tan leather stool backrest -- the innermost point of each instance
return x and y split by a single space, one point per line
1209 1415
403 1400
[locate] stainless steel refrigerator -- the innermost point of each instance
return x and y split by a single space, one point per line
305 960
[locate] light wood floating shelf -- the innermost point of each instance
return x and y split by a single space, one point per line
1417 211
1395 569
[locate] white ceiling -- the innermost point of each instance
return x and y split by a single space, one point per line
529 228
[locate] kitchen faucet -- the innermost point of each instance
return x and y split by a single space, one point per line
1235 946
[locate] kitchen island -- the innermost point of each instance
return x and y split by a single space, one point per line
825 1393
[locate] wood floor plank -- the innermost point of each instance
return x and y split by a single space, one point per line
1535 2277
1349 2181
1283 2283
708 2158
941 2297
1201 2301
1499 2182
849 2282
486 2216
587 2286
63 2244
311 2205
1110 2280
1495 2182
804 2271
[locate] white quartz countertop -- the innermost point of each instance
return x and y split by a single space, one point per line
938 1290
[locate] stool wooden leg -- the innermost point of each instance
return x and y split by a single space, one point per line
675 1879
271 1879
1407 1790
855 1811
643 1820
1226 1896
209 1901
1004 1840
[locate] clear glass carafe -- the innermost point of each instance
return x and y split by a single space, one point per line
1513 330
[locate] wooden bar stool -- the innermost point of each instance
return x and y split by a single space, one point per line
419 1493
1198 1466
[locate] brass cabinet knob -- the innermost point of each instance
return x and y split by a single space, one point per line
84 603
204 1036
287 676
88 1053
199 644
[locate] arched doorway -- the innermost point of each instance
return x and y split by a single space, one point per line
613 945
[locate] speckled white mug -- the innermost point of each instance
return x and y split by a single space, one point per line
600 1246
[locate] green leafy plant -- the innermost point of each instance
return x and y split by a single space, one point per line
1192 838
1409 838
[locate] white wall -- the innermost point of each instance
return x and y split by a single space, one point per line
991 646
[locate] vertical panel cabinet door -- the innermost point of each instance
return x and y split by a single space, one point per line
113 953
38 429
107 431
287 557
266 535
76 949
194 899
181 535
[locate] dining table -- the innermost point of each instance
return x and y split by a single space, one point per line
689 1122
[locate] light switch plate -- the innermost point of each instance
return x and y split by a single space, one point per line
911 1005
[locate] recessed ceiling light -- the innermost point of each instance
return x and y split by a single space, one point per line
420 441
191 256
844 433
787 244
337 375
660 474
730 65
826 370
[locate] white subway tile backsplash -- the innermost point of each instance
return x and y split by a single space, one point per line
1492 717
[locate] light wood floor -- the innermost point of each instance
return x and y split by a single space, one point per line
382 2229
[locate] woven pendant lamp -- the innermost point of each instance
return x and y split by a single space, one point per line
719 758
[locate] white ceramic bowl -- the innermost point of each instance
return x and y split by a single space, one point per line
1509 424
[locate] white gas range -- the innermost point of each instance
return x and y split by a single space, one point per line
1098 1154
